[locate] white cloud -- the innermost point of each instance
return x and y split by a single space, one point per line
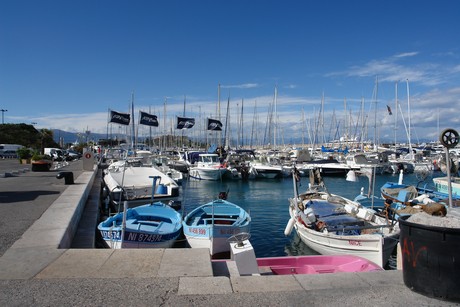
241 86
406 54
392 69
297 115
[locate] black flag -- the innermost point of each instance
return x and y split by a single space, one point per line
214 124
389 110
185 122
148 119
119 118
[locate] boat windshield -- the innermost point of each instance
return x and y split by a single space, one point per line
210 159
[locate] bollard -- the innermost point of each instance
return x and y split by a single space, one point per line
430 263
68 177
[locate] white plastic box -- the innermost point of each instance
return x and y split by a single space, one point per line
364 214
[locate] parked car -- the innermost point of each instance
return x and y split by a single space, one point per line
72 155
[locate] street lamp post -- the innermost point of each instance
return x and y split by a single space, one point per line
3 113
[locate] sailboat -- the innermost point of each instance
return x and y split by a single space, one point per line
420 165
263 163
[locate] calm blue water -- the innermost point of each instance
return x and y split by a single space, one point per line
267 203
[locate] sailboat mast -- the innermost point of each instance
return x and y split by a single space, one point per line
396 109
242 123
362 124
408 121
375 112
254 117
226 144
182 134
275 121
165 131
133 137
218 111
238 126
150 143
303 127
323 137
347 132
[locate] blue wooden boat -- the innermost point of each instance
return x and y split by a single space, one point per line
211 224
410 199
148 226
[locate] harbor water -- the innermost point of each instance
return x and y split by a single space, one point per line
267 202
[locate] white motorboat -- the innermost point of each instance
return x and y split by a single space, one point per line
208 167
133 182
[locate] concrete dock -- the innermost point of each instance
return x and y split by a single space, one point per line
43 264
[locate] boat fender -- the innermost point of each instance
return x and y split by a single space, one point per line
304 219
310 215
105 192
289 226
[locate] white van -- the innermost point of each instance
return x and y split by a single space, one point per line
54 153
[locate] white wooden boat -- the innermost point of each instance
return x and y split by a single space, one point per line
211 224
333 225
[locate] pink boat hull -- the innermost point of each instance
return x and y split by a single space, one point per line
319 264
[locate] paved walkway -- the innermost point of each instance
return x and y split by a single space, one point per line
39 213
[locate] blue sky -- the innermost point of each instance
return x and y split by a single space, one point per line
63 64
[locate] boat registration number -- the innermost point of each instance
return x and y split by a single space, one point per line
141 237
111 235
198 231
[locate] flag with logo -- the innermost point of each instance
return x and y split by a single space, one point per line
119 118
214 124
185 122
148 119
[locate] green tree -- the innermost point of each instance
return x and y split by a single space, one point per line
27 136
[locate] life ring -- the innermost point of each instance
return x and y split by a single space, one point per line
87 155
449 138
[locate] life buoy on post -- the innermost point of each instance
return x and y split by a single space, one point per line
449 138
88 160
